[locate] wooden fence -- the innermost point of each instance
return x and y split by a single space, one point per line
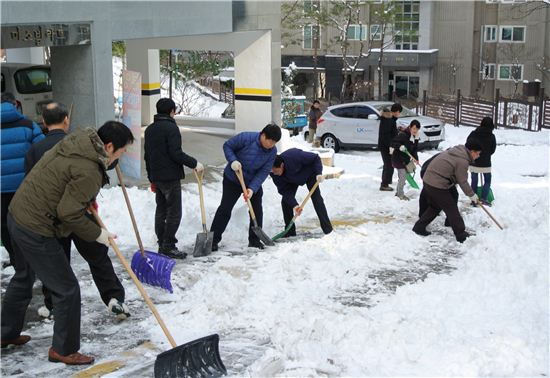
506 112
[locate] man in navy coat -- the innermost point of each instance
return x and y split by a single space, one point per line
253 154
292 169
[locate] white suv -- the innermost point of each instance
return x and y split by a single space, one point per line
30 84
355 125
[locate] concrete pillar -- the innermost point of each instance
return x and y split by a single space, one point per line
141 59
254 86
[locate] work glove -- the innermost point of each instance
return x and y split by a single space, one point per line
474 198
153 188
298 210
103 238
320 178
402 148
236 166
199 167
391 150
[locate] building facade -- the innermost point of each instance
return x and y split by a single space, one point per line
476 47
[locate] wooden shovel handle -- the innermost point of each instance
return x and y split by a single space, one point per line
136 281
239 174
490 215
201 198
313 188
129 206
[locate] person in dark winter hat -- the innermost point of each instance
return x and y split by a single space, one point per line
405 145
313 116
448 169
164 161
484 135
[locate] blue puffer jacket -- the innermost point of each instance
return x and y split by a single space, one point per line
18 133
256 160
299 166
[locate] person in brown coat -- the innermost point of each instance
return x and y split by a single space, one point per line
448 169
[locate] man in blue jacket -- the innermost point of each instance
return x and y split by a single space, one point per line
164 161
294 168
17 135
253 154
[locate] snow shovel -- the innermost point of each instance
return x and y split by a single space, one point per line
150 267
199 358
203 243
257 230
285 231
408 176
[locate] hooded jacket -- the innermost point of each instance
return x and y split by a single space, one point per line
485 136
18 133
53 198
387 130
449 168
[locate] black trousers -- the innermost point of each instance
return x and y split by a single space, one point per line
423 201
6 239
101 267
37 255
168 212
318 204
387 170
231 193
441 199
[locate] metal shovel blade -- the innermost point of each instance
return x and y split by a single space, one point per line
262 236
203 244
198 358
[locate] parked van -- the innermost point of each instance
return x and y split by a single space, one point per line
30 84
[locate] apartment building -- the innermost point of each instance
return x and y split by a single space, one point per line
438 46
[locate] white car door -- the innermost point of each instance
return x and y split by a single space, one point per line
344 124
367 125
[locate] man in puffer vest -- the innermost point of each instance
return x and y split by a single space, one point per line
18 134
51 203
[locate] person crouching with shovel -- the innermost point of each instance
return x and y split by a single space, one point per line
250 156
294 168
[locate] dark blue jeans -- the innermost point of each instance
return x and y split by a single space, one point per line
486 184
168 212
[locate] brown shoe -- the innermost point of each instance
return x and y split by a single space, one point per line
19 340
72 359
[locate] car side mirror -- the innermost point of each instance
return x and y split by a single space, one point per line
372 116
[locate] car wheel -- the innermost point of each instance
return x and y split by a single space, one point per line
306 135
330 141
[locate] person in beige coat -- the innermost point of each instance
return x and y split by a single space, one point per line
448 169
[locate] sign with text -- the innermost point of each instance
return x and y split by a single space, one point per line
45 35
130 163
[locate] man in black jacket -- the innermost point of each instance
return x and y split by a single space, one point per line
164 161
386 132
56 118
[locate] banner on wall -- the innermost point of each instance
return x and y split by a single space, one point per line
130 163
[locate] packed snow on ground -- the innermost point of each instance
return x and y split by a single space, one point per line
370 299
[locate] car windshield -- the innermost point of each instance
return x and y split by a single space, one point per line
405 113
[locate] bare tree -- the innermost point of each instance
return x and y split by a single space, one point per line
513 53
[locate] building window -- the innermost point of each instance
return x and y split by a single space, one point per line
407 24
512 34
311 37
311 6
510 72
357 32
375 32
490 34
489 71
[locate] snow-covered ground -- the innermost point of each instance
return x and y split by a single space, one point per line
370 299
